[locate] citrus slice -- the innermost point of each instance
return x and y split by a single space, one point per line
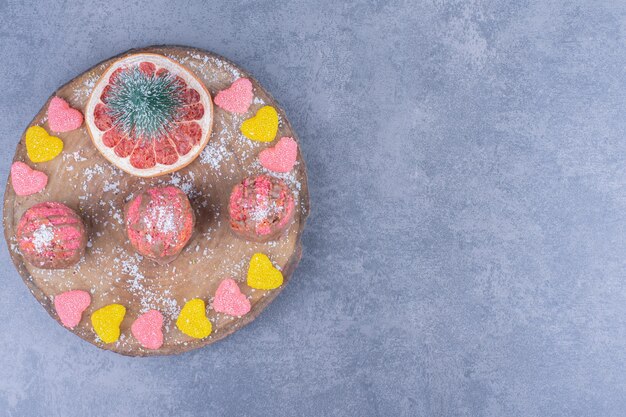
148 115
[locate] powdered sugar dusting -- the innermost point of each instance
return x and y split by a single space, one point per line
82 91
111 186
149 298
209 67
213 155
161 218
264 211
184 182
43 237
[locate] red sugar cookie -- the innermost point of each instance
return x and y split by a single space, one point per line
51 235
159 223
261 208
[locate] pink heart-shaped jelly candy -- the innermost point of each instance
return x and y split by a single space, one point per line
281 157
25 180
70 306
148 329
236 98
230 300
61 117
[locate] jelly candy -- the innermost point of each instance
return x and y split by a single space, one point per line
236 98
263 126
262 274
230 300
281 157
70 306
27 181
40 146
148 329
192 319
106 322
61 117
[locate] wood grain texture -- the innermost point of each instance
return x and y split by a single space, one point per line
111 270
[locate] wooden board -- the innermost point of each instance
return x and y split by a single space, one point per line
111 270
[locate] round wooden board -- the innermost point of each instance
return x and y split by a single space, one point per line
111 270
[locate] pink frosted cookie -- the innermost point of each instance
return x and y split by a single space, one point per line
159 223
230 300
61 117
27 181
261 208
236 98
51 235
70 306
281 157
148 329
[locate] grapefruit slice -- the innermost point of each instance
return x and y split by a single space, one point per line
148 115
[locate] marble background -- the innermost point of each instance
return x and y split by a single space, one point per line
465 255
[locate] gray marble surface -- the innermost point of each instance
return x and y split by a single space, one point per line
465 255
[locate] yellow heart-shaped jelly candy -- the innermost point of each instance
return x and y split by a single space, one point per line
262 275
192 319
106 322
40 146
263 126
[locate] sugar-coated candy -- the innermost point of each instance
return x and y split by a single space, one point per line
262 275
148 329
236 98
281 157
63 118
193 321
41 146
25 180
230 300
70 306
263 126
106 322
